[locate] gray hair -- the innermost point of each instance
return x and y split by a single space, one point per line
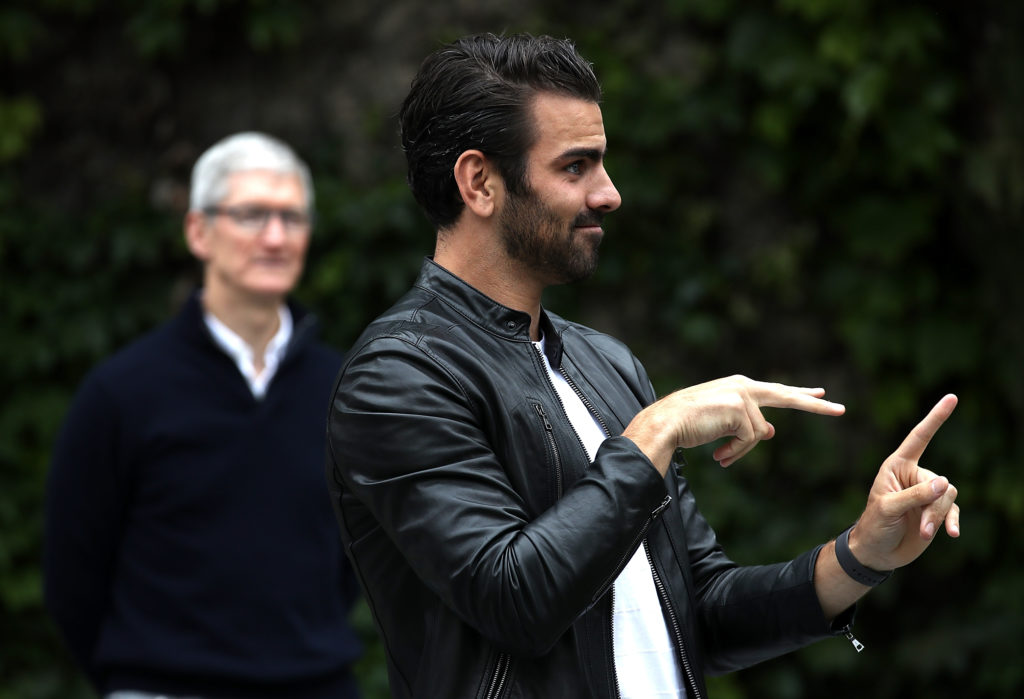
243 152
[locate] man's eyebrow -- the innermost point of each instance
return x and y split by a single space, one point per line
595 154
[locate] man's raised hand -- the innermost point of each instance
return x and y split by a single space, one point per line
726 407
907 503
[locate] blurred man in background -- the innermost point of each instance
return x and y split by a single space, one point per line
505 479
190 549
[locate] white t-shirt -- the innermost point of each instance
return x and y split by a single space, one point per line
240 351
646 663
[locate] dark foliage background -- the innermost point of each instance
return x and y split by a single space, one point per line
815 191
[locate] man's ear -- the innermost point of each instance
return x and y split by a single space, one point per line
479 182
196 236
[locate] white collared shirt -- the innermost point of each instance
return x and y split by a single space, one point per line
240 351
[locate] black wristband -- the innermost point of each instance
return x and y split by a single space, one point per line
852 567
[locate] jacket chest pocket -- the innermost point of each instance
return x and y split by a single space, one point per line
534 454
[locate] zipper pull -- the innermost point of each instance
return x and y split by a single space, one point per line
661 508
856 644
543 416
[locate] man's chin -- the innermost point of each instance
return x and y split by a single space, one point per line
581 269
271 287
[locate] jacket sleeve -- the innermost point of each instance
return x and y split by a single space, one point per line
85 501
408 443
748 614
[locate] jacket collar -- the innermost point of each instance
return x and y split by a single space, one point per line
488 314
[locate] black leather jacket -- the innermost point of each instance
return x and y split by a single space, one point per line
485 541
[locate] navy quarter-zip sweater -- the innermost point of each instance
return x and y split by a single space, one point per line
190 545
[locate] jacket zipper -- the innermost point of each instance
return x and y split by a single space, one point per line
848 632
585 400
611 633
625 559
604 426
497 683
579 440
632 548
660 587
550 432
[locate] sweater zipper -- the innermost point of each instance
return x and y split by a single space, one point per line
497 683
676 631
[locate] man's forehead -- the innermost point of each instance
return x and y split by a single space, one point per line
563 123
260 182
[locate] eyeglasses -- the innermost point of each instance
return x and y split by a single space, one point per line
253 219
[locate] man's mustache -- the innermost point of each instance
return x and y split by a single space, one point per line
588 218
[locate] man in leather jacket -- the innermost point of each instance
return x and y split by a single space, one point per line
503 478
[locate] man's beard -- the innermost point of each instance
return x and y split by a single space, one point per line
535 236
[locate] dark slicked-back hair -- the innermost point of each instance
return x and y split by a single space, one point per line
475 93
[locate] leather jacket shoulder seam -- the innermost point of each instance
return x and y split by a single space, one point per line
418 343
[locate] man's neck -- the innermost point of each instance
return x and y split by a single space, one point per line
255 320
497 278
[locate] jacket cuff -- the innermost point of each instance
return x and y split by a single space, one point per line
843 622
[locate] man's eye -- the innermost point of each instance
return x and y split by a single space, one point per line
294 219
575 168
251 217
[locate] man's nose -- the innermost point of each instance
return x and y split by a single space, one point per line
274 232
605 196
